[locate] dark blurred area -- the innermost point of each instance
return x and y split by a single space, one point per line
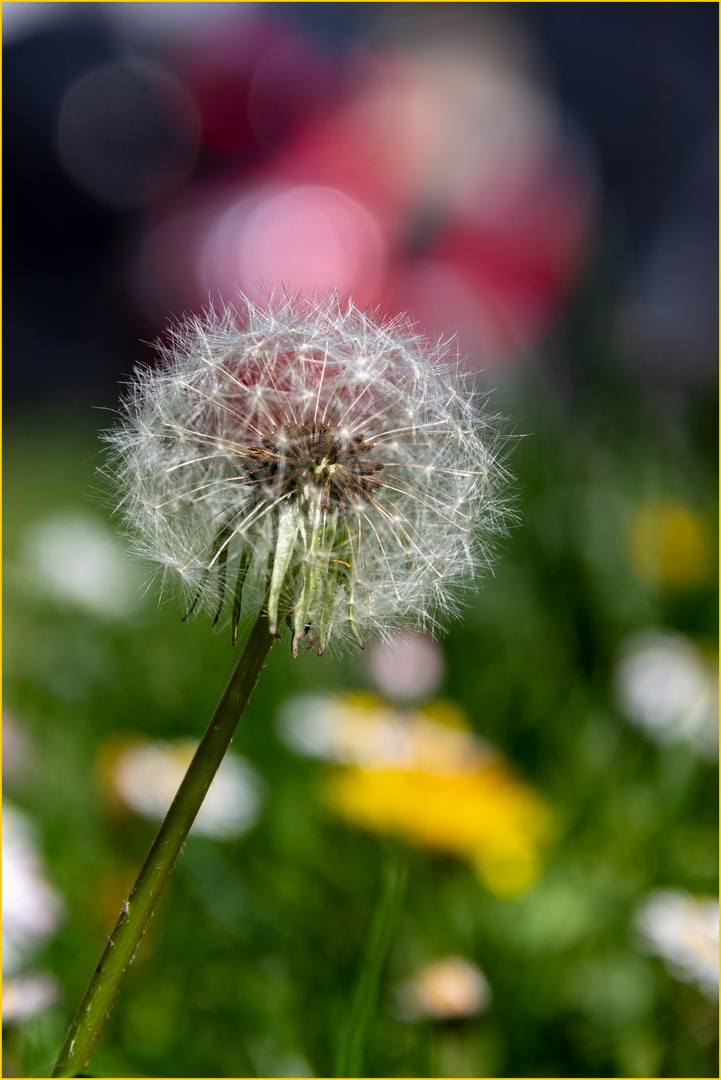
461 162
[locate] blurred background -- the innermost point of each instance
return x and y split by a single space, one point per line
539 182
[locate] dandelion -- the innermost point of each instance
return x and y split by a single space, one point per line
310 460
669 548
297 462
420 774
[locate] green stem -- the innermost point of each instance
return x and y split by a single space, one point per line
355 1031
137 909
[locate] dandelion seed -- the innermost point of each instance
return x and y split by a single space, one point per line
303 459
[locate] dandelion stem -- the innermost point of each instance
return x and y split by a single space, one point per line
136 911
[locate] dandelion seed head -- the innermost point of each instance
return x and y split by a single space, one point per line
309 459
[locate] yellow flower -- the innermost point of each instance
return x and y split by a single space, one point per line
669 545
442 788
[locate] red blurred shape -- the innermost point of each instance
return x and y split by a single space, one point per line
254 80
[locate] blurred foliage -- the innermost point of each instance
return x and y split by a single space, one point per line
250 964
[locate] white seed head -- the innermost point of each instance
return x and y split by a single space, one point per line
306 459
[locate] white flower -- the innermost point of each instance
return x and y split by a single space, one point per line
666 687
448 989
78 561
31 908
305 458
27 995
684 931
146 776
